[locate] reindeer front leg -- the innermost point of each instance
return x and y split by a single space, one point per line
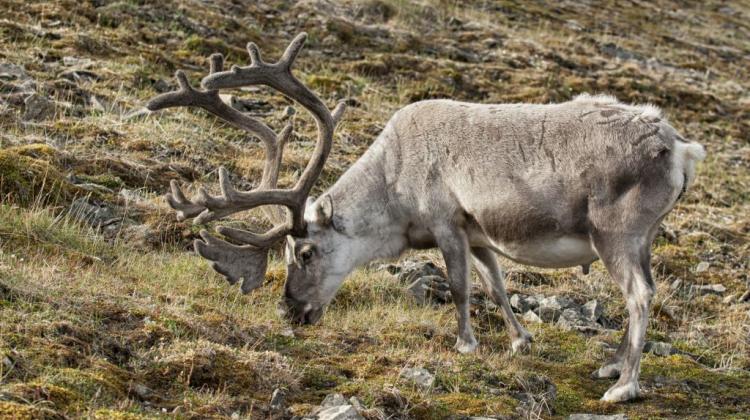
454 245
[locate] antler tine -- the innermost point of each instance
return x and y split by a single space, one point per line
278 76
291 52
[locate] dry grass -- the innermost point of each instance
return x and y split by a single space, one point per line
117 324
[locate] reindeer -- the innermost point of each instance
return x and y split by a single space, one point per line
556 185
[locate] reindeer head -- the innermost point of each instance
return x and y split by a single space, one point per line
246 256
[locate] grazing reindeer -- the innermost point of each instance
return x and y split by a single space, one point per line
555 185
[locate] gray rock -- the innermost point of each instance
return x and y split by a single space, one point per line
341 412
592 310
278 400
93 215
10 71
659 348
550 308
80 76
616 51
597 417
38 108
419 376
412 270
333 400
533 301
518 303
676 284
702 267
430 289
142 391
83 63
532 317
246 105
569 319
707 289
472 26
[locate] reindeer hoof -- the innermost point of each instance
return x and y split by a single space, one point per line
620 393
521 345
466 346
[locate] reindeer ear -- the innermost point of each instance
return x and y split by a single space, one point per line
289 250
324 211
309 202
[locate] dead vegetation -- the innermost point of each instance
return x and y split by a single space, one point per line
104 315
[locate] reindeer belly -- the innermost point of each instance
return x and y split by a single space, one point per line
552 252
533 237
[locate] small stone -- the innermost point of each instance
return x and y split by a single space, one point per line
472 26
659 348
574 25
235 415
289 111
550 308
95 216
533 301
419 376
80 76
38 108
333 400
142 391
412 270
532 318
161 86
702 267
706 289
569 319
341 412
518 303
597 417
77 62
592 310
10 71
278 400
429 289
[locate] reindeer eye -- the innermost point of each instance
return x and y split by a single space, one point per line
306 255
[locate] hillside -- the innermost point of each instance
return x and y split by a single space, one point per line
105 311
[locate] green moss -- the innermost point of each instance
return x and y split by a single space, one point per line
88 386
28 175
106 414
36 391
556 345
198 45
11 410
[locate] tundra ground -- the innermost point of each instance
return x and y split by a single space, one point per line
105 312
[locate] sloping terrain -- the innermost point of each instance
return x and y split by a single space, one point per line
106 313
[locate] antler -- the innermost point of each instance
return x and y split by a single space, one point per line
249 260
